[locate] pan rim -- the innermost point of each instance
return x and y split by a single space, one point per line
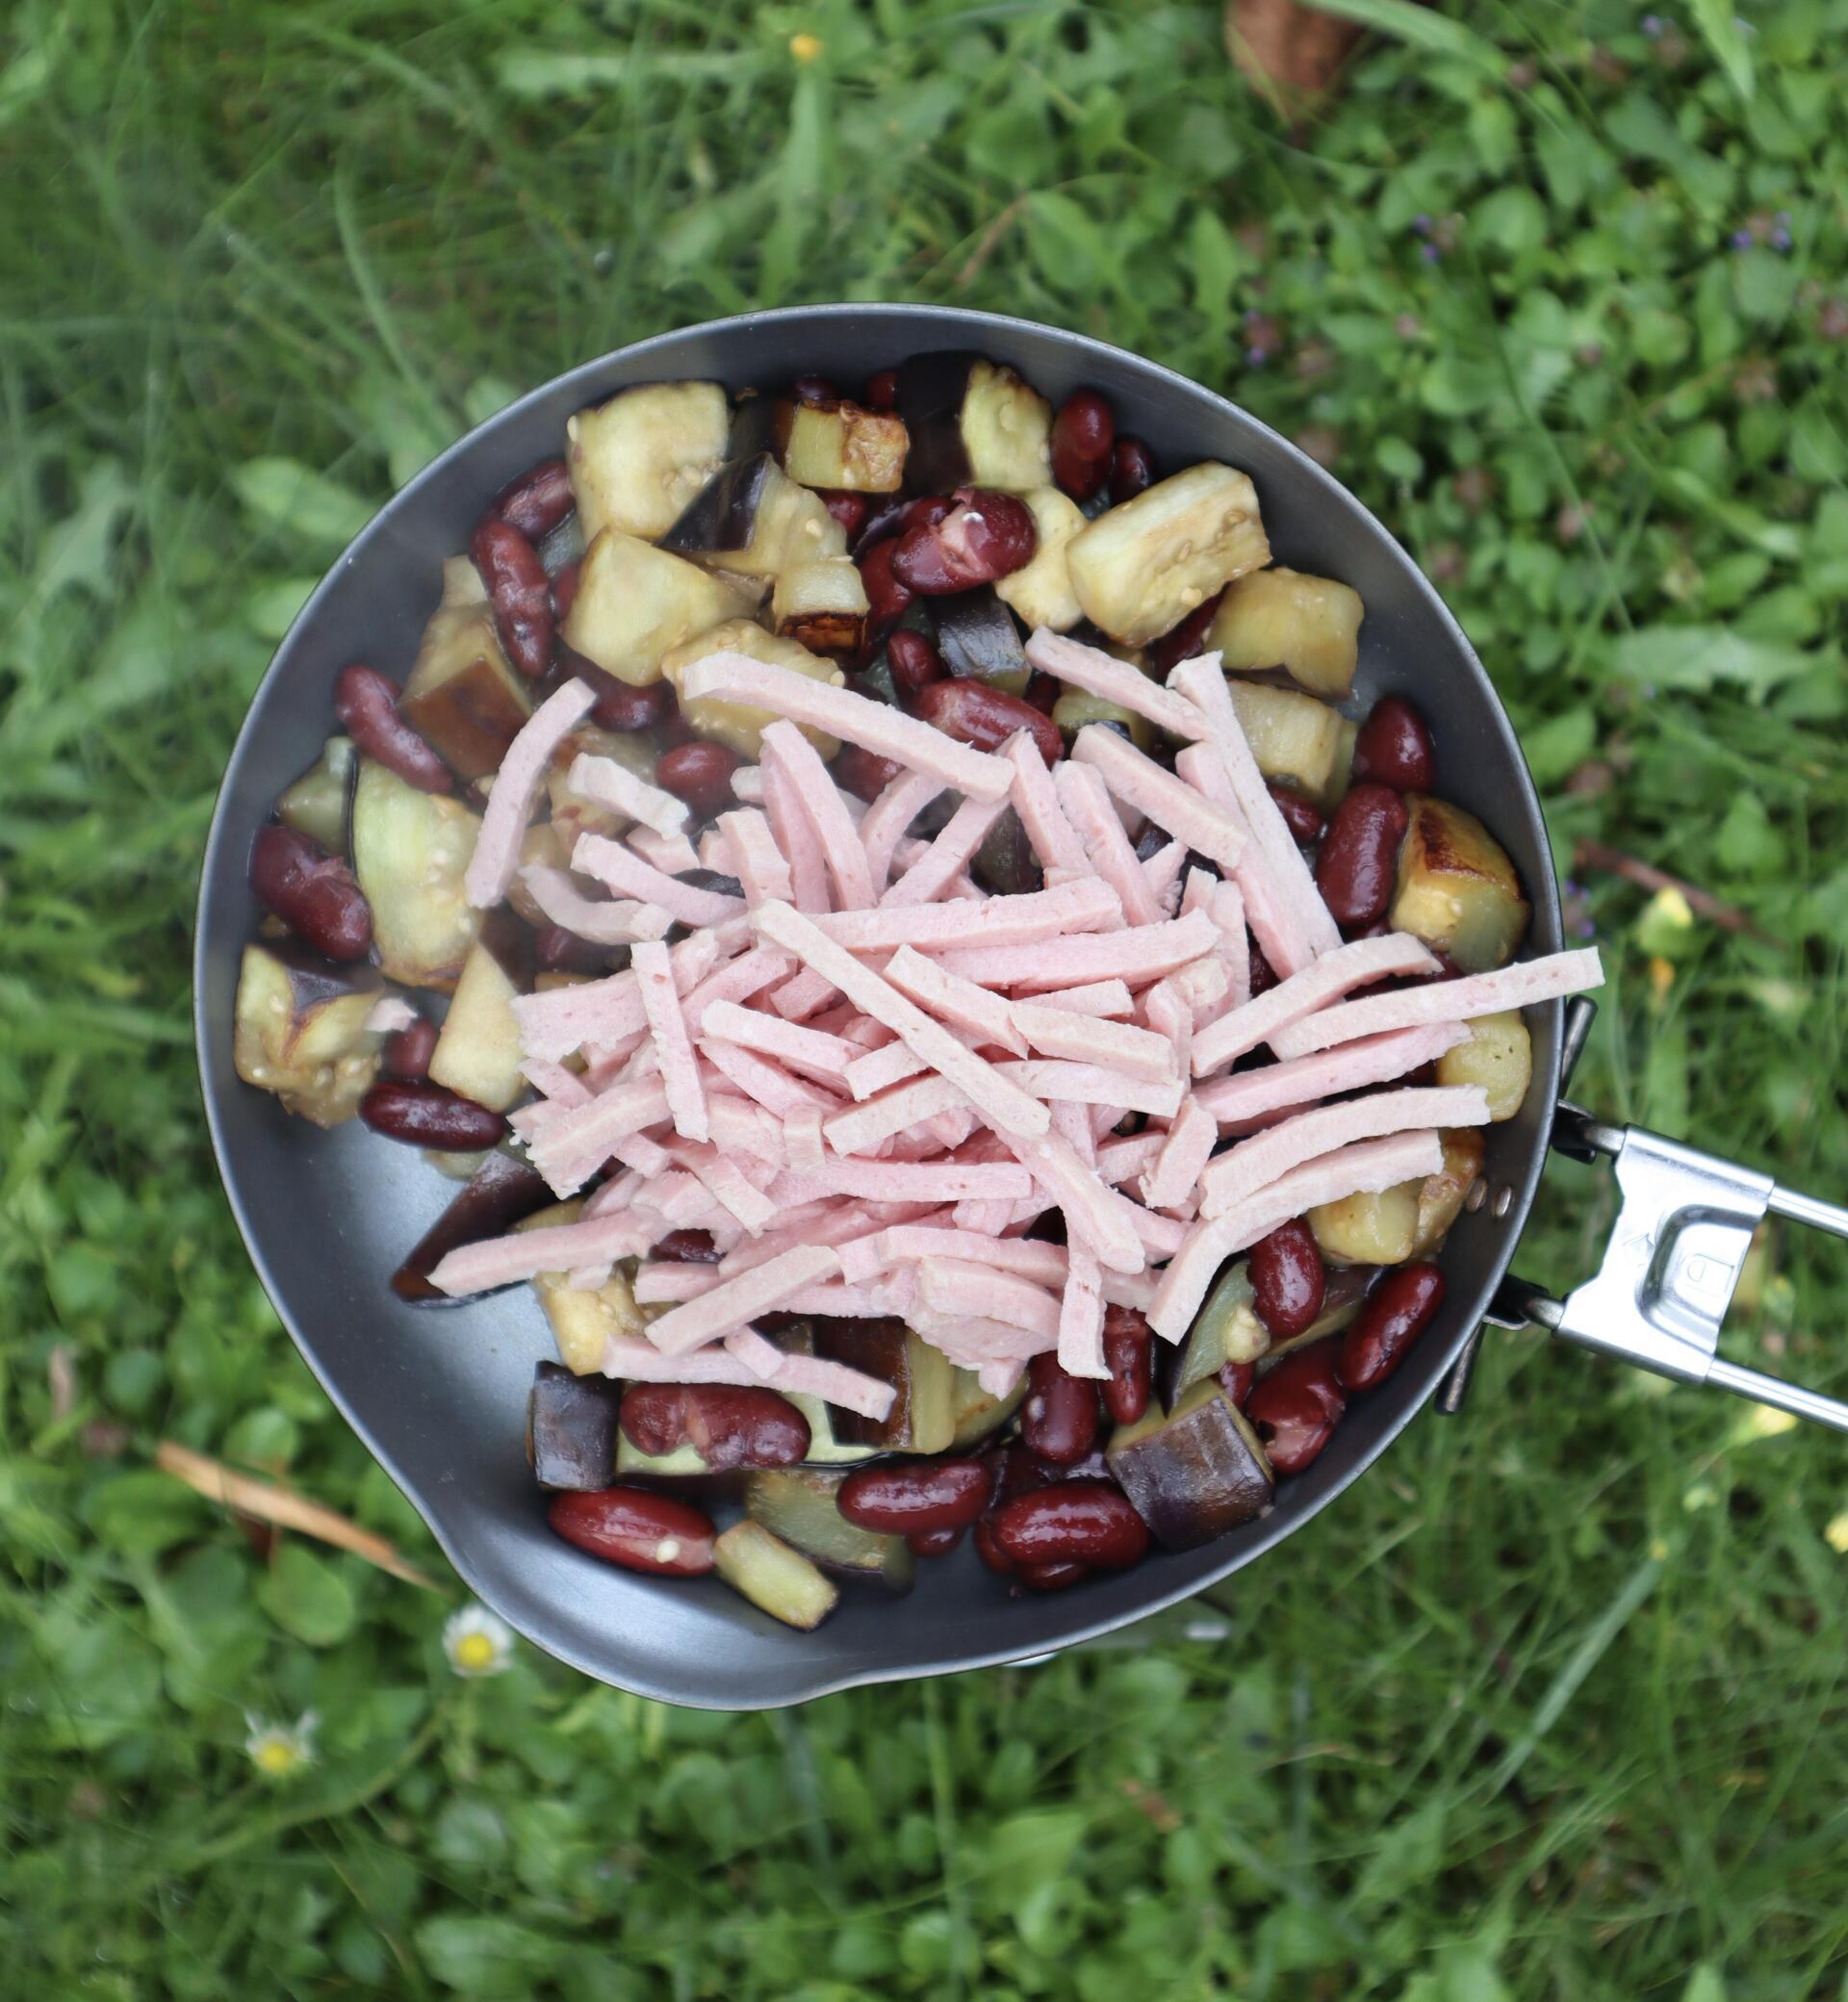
209 1037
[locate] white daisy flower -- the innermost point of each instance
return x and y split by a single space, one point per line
280 1751
477 1642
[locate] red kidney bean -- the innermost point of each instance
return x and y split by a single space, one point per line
887 598
538 501
521 591
1392 1318
849 509
687 1247
564 590
933 1542
988 1549
700 773
366 703
897 1496
427 1115
814 389
885 517
1128 1355
1058 1420
974 713
637 1529
559 951
1296 1406
1287 1278
1132 468
1042 692
865 773
913 662
619 704
728 1424
312 892
1047 1578
1186 639
1078 1522
882 391
1264 975
1301 817
1354 870
985 535
1082 436
1394 747
407 1052
1238 1380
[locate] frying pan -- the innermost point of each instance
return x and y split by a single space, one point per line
439 1395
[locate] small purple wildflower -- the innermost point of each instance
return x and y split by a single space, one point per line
1652 26
1422 224
1586 929
1743 240
1431 254
1255 357
1780 240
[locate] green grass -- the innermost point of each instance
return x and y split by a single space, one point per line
1551 1705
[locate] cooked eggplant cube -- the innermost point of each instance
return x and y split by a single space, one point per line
979 640
972 423
1441 1196
1499 1056
300 1030
1280 618
1296 738
637 460
1197 1473
317 803
411 851
462 697
753 519
978 1414
822 606
479 1052
1458 890
922 1418
843 447
1005 864
740 726
683 1463
799 1504
501 1192
774 1577
570 1429
635 603
1225 1330
1042 593
1370 1228
1078 706
582 1319
1140 568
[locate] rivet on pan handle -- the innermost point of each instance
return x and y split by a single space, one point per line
1669 1270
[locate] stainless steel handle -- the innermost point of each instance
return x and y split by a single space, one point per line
1672 1263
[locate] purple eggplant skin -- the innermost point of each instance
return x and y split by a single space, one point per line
723 515
570 1429
979 640
1195 1473
930 388
498 1193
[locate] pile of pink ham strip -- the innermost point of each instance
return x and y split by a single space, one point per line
867 1080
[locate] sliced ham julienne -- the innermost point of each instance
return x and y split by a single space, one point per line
674 855
884 822
390 1012
1036 800
796 835
559 1248
1095 1216
966 1008
1094 1084
735 1302
1185 1151
1114 680
1082 907
1363 1168
802 1136
755 859
1328 978
839 712
1086 805
1107 999
1082 1039
1170 803
1248 1168
618 921
1081 1318
1161 872
570 1148
790 752
623 871
948 1288
673 1047
1002 1105
893 1111
906 1181
880 1069
932 874
641 1362
810 1050
737 980
1521 985
515 790
1139 955
1350 1066
608 784
769 1085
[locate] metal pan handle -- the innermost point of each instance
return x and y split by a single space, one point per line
1671 1265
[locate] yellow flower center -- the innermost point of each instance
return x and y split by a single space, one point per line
804 49
277 1757
474 1651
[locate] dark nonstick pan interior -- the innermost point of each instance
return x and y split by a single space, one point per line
439 1393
